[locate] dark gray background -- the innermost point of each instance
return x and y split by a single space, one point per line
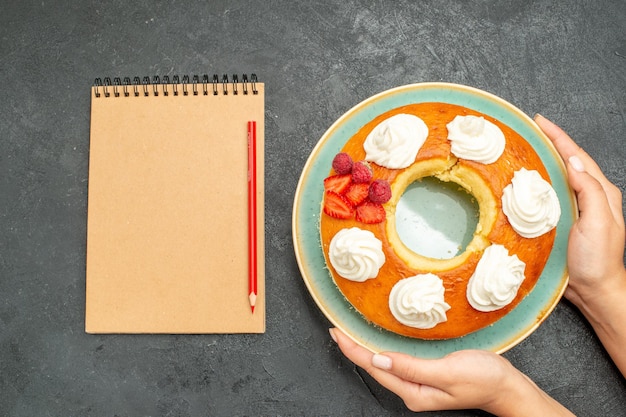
564 59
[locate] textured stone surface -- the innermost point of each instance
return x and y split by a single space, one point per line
566 60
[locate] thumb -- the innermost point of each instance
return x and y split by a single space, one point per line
410 368
461 379
590 194
421 383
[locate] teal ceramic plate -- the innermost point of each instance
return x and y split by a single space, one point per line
499 337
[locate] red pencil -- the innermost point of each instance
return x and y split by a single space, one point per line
252 216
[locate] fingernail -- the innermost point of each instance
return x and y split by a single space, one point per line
332 335
381 361
576 163
536 116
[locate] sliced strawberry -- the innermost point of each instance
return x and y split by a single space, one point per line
357 193
338 183
370 213
337 206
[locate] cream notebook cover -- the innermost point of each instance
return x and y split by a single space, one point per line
167 226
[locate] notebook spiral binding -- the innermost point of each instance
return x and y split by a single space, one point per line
147 86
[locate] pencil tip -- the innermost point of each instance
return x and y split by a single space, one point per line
252 298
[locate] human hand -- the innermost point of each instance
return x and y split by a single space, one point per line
597 277
461 380
596 241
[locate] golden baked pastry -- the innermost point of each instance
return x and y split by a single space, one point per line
484 181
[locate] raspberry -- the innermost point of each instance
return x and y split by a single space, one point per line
380 191
342 163
361 172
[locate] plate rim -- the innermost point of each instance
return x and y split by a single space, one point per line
463 89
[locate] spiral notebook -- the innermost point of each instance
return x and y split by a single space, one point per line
169 215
